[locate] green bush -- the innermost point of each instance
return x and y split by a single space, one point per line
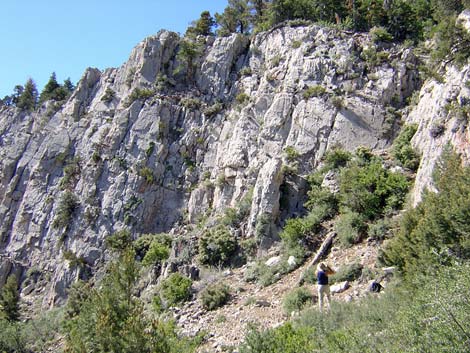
175 289
298 229
314 91
191 103
109 317
147 174
249 247
285 339
213 110
139 94
41 333
119 241
309 276
242 98
263 226
350 228
296 44
73 259
150 149
156 253
12 338
438 228
319 196
402 149
452 42
380 34
216 246
347 273
10 300
379 230
108 95
337 102
291 153
143 242
71 174
266 275
336 158
371 190
234 216
68 204
214 296
245 71
296 300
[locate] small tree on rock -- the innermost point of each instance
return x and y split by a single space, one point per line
29 97
205 24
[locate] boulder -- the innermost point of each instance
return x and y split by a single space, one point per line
273 261
339 287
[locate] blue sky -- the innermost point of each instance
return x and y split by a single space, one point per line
39 37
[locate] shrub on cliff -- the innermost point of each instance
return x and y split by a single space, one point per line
216 246
402 149
68 204
139 94
157 253
119 241
371 190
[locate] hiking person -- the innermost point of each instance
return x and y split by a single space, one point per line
323 271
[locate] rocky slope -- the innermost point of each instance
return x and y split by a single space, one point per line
154 147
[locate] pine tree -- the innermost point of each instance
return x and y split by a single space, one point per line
112 319
17 92
205 24
437 231
28 99
51 86
9 300
235 18
69 86
188 52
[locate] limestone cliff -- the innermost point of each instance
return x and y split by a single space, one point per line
153 146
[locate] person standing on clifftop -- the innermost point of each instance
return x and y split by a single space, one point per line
323 271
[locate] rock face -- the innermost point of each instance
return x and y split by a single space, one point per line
442 117
155 145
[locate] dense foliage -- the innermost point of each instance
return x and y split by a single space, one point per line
35 335
399 19
175 289
216 246
9 300
110 318
369 189
402 149
366 192
437 231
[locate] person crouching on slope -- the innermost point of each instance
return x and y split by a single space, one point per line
323 271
